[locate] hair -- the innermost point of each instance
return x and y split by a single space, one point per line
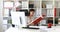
32 10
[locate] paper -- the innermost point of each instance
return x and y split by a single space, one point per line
5 21
8 4
49 6
50 13
25 5
6 12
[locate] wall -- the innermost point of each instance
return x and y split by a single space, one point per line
1 17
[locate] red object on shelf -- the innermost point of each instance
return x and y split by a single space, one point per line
49 25
54 12
17 9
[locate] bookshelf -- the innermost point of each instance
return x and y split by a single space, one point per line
40 7
57 6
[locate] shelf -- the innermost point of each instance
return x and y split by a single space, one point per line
23 0
47 0
32 8
37 5
57 16
57 0
8 0
47 8
34 0
15 0
57 24
57 7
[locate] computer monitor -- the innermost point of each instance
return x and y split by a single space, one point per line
18 18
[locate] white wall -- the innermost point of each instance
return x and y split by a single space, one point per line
1 17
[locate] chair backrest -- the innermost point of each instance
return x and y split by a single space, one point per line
18 18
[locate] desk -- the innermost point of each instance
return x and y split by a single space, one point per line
12 29
54 29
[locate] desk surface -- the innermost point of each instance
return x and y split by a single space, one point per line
11 29
54 29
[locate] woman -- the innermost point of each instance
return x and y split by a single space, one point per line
31 16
